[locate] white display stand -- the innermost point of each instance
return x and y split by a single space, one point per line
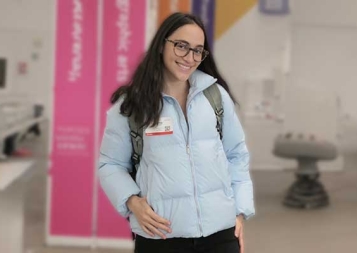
12 184
16 118
20 127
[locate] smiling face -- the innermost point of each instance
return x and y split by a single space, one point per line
179 68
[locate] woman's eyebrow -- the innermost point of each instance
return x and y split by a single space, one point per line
184 41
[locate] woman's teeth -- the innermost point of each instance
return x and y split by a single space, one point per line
183 66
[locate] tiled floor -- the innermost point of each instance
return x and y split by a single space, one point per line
275 228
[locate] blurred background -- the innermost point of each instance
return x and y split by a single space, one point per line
292 65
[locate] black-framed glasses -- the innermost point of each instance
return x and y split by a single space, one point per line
182 49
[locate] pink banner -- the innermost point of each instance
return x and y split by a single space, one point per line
123 46
73 153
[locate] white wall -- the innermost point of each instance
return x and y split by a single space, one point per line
252 48
333 13
34 15
26 31
324 51
314 46
324 55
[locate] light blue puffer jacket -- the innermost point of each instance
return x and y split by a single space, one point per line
192 178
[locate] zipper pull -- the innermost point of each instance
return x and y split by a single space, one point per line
188 149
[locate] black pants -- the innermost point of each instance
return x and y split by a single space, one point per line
220 242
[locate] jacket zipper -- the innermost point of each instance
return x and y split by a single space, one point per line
191 163
195 189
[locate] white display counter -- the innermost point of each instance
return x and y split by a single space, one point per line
13 177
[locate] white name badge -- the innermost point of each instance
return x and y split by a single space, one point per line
163 128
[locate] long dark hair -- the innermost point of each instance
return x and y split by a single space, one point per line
142 96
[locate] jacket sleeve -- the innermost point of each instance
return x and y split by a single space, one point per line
115 161
238 158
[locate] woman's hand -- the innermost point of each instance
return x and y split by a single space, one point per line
239 232
149 221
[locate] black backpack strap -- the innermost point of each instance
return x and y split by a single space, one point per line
136 134
214 97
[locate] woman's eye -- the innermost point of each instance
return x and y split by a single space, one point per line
197 51
181 46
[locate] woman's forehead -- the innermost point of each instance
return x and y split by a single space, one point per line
191 33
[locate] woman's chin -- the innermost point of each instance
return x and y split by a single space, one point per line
183 77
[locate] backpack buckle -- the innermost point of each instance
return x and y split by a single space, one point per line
135 158
219 112
135 135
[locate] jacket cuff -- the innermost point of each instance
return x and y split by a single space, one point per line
123 208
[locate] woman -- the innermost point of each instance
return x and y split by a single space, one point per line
192 189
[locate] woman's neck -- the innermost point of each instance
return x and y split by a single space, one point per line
179 91
176 89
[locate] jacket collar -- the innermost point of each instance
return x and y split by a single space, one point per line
199 81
